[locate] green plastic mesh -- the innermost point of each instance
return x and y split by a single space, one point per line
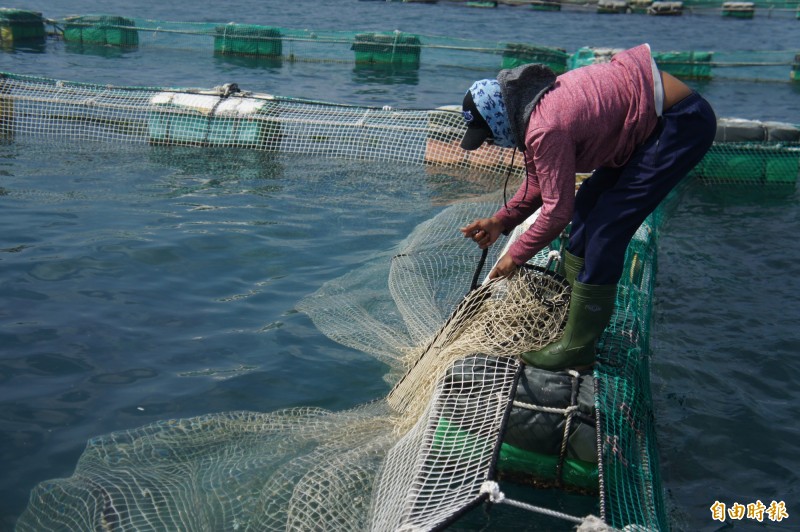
772 5
752 152
396 462
100 30
631 479
774 164
17 25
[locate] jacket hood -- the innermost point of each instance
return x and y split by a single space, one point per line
522 87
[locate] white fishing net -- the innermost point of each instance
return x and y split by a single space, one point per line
417 458
411 461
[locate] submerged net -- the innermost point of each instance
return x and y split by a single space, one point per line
417 458
410 461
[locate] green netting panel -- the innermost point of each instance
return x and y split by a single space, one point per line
751 151
590 55
517 54
576 474
17 25
788 5
544 5
245 39
744 10
392 48
209 120
631 479
754 163
101 30
685 65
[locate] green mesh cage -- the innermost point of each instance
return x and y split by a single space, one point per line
752 152
245 39
101 30
743 10
751 163
517 54
544 5
395 48
17 25
631 482
387 48
685 65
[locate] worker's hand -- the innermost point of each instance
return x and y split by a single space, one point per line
484 231
505 267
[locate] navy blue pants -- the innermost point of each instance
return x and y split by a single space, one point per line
613 202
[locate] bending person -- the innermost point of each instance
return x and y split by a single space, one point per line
638 130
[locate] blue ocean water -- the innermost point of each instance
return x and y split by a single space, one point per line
142 284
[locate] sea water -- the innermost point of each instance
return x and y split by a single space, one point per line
142 283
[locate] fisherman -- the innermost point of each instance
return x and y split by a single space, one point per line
637 129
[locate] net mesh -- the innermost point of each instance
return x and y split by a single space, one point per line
746 151
410 461
416 458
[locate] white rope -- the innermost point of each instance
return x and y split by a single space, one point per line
496 496
492 489
547 409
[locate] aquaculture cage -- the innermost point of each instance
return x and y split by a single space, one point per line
271 44
517 54
428 452
247 39
752 152
20 26
387 48
104 30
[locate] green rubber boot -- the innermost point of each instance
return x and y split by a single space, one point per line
590 310
572 267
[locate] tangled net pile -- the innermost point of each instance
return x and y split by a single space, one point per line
412 460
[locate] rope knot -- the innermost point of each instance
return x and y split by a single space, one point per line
492 489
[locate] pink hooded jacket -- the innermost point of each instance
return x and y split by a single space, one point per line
594 116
